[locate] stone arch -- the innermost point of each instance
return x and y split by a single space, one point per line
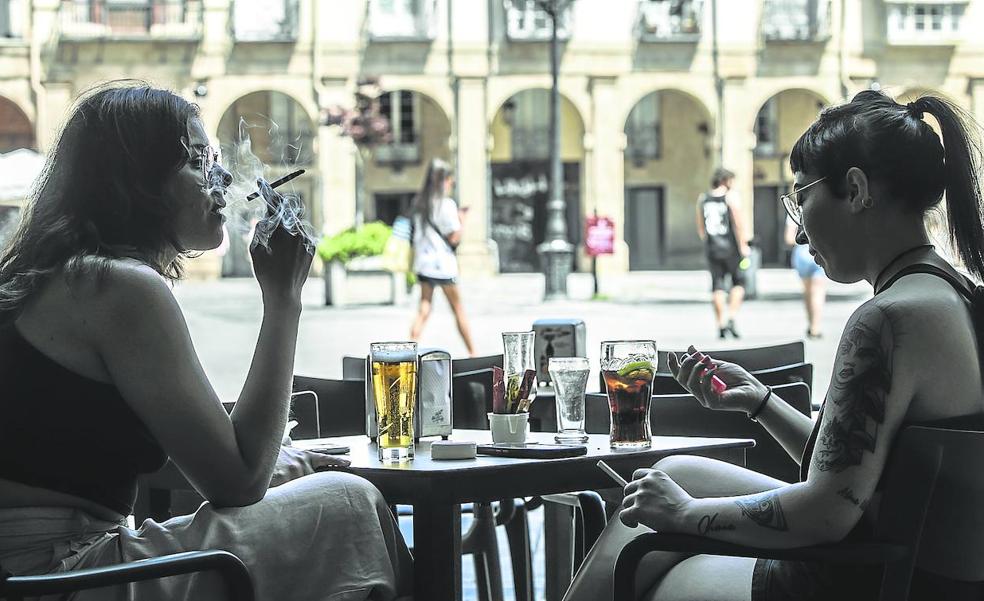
759 100
779 121
578 100
281 130
16 129
634 100
396 170
668 158
571 133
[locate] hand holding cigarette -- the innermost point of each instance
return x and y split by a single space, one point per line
277 183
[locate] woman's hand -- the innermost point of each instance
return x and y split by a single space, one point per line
694 372
293 463
653 499
281 269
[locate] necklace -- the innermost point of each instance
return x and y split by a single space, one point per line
897 257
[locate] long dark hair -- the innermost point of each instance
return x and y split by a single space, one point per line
432 190
892 142
100 193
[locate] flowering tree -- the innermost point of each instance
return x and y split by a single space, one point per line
365 125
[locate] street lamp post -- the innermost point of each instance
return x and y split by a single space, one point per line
556 253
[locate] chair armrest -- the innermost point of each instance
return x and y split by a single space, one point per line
853 553
592 509
233 571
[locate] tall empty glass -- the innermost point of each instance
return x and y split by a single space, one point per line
628 367
570 378
394 386
519 370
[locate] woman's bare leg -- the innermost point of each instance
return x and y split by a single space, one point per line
699 476
423 311
816 297
454 299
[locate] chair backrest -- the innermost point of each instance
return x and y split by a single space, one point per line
353 368
933 500
459 366
472 397
341 404
776 376
752 358
682 415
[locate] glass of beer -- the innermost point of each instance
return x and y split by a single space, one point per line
394 386
628 367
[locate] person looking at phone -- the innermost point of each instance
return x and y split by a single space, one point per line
102 382
866 174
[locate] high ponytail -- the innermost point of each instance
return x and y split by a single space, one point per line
961 163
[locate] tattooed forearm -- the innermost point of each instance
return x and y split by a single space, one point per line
859 389
708 524
765 510
848 495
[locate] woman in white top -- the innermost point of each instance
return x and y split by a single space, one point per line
436 234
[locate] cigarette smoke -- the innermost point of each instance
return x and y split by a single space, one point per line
260 215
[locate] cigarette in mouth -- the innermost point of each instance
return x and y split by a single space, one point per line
277 183
612 473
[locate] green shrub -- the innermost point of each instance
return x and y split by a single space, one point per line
368 240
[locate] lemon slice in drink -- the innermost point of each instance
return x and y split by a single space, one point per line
636 366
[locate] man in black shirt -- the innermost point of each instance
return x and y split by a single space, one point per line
720 227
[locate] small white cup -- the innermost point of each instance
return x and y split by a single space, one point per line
509 427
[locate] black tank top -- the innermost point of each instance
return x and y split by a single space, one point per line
65 432
974 421
719 227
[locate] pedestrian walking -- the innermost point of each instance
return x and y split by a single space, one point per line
814 281
436 235
719 225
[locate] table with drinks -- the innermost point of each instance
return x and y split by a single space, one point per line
402 467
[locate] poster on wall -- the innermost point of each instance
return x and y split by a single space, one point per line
520 191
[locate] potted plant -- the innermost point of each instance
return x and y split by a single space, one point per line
350 253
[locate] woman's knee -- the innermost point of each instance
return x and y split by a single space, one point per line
706 477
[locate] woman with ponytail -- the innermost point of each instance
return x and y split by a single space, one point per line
867 173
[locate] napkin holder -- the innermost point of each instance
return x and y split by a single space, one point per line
432 413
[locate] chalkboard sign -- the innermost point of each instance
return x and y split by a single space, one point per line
520 191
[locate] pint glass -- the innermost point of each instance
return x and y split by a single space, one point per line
628 367
394 385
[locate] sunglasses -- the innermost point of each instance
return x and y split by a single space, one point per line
793 207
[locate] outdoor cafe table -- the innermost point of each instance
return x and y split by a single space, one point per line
437 488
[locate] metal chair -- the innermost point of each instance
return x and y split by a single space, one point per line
930 522
233 571
755 358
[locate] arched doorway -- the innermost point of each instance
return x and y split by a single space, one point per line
779 123
420 131
668 161
16 130
520 170
266 133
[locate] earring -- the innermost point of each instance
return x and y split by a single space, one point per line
867 203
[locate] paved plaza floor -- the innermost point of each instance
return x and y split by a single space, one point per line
671 307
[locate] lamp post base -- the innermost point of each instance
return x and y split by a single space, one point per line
555 257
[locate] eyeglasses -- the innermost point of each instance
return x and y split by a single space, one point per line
793 208
209 157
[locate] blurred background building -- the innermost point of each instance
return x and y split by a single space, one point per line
654 96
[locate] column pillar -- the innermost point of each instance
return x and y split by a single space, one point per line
605 170
475 253
739 142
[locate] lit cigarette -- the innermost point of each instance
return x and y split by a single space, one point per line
277 183
612 473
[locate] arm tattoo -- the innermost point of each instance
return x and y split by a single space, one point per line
859 390
765 510
708 523
848 495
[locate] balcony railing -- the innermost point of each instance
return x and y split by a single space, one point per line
796 20
923 23
402 20
264 21
527 22
133 19
401 152
670 20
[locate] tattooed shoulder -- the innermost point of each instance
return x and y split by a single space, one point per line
860 386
